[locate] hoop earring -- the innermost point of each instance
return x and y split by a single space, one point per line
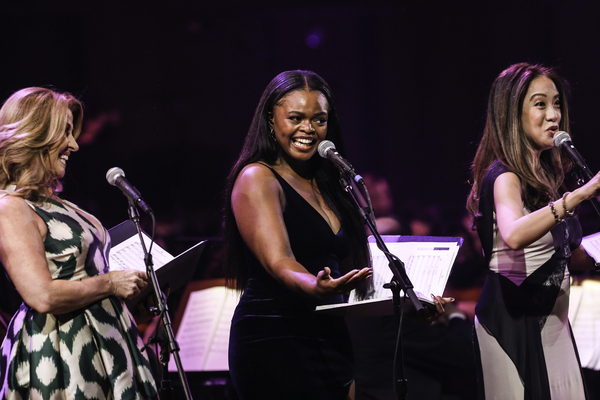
272 135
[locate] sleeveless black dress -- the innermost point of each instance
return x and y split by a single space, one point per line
279 348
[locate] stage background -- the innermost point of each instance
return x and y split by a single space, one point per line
170 87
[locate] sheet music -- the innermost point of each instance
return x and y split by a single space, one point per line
130 255
203 334
217 359
591 244
427 265
584 315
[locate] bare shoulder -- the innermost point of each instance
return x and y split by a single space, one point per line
256 177
11 206
17 215
506 181
256 171
507 191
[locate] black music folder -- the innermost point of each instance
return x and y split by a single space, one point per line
127 253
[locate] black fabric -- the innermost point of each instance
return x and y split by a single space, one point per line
437 358
515 315
279 348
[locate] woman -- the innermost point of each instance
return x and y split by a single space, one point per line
294 241
72 337
529 236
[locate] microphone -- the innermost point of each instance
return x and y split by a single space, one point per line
116 177
327 150
562 139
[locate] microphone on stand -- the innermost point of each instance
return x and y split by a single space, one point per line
563 140
116 177
327 150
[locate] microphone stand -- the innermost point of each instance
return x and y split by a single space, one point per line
584 175
400 281
168 344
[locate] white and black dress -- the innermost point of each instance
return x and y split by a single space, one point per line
524 342
91 353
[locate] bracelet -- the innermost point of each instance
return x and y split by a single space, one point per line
568 214
556 217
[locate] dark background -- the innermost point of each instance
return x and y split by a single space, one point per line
176 84
170 87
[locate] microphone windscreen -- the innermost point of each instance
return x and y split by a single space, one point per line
324 147
113 174
561 137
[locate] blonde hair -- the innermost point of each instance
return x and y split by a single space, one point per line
32 124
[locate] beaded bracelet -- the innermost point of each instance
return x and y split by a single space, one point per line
568 214
556 217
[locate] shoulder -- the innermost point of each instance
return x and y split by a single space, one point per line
507 180
15 211
507 190
256 178
495 170
255 174
11 205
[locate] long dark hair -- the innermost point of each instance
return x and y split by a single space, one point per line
259 146
503 139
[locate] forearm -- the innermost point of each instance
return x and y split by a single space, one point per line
531 227
295 277
518 229
62 296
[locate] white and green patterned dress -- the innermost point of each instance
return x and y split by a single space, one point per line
92 353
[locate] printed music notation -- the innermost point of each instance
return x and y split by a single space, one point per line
427 261
129 255
584 316
427 265
203 333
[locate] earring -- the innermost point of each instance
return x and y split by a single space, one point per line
272 135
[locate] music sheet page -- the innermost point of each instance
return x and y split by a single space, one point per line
203 334
130 255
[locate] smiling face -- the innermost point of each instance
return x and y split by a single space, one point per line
60 154
300 124
541 113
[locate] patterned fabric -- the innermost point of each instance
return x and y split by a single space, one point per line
525 345
91 353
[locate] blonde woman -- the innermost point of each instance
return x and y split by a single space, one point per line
72 338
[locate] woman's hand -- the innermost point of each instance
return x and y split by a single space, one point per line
327 286
439 303
585 192
127 284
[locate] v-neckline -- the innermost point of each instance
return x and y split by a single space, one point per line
305 201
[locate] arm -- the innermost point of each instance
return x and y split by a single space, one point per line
257 202
22 252
519 230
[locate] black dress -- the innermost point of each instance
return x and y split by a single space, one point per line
279 348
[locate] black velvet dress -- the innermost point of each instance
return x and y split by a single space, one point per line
279 348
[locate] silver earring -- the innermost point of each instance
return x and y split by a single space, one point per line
273 135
